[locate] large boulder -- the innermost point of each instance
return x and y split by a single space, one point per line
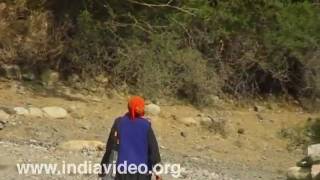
35 112
152 109
315 172
314 153
78 145
55 112
298 173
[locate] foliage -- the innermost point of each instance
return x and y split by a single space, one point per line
302 136
187 49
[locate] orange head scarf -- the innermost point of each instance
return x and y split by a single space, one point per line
136 107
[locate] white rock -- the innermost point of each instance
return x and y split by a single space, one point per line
55 112
206 121
35 112
77 145
21 111
189 121
314 152
4 116
315 172
152 109
298 173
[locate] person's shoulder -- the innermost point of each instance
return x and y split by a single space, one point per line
119 119
145 120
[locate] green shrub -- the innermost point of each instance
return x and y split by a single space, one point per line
302 136
160 68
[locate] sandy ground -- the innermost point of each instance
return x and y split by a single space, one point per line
256 153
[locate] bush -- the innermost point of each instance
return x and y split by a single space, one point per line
302 136
29 38
177 49
160 68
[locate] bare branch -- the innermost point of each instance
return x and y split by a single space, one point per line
162 5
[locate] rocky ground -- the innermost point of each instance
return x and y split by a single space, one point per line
226 142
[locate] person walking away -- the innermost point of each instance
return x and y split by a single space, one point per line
132 141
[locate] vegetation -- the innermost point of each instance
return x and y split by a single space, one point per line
187 49
302 136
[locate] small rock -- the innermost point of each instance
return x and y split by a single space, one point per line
73 78
315 172
49 77
305 162
78 145
10 71
21 111
206 121
152 109
8 110
258 108
314 153
35 112
260 118
85 127
28 76
183 134
2 6
2 125
55 112
163 147
241 131
4 116
102 79
298 173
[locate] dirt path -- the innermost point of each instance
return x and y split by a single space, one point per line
255 153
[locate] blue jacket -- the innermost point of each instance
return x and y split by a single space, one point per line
133 140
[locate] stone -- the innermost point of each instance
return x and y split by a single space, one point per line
152 109
4 116
21 111
55 112
314 153
2 125
258 108
315 172
206 121
8 110
3 6
35 112
241 131
305 162
49 77
101 79
10 71
259 116
183 134
73 78
28 76
189 121
298 173
78 145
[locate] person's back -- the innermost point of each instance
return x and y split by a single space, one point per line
133 141
133 138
